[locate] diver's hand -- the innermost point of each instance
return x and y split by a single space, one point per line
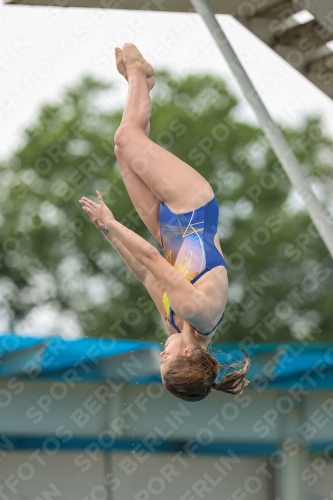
98 213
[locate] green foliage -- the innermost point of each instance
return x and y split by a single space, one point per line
56 264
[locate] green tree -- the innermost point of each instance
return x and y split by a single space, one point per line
56 266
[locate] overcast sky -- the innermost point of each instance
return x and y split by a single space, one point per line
44 49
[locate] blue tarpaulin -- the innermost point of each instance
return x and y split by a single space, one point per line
274 364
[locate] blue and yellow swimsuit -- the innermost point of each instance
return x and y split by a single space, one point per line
188 243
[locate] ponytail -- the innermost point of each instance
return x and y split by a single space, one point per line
234 382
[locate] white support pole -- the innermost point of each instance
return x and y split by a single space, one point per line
277 141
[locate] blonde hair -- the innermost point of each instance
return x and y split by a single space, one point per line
192 379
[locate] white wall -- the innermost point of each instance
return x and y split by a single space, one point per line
23 477
171 477
161 476
145 414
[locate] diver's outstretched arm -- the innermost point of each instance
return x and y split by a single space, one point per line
139 271
133 265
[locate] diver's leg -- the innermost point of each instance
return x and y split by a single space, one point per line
143 199
170 179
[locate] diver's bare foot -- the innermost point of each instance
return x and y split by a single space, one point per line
133 58
122 68
120 63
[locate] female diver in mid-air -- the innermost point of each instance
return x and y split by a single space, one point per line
190 285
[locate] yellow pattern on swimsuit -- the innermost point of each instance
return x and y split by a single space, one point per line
183 249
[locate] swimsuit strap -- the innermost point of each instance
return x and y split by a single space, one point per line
211 330
171 321
222 264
